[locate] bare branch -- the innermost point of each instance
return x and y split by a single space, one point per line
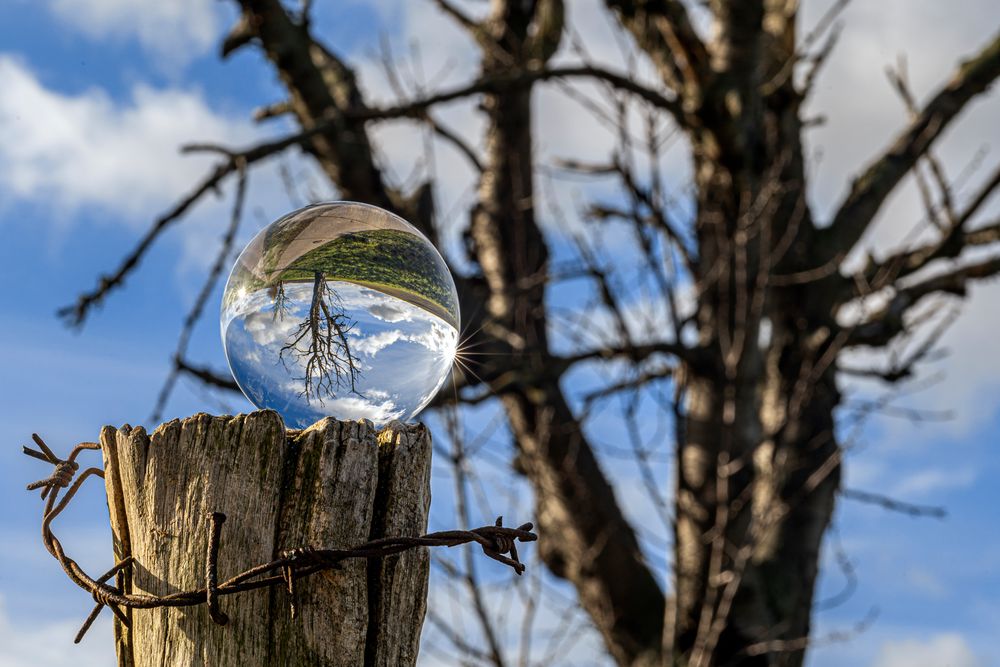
459 472
846 568
329 364
870 190
461 17
214 274
899 78
902 369
817 60
604 289
239 36
894 505
637 382
826 24
952 243
455 140
207 376
889 321
322 89
504 81
642 198
663 30
455 638
272 111
634 353
801 643
77 313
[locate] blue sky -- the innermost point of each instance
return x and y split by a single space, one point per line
96 97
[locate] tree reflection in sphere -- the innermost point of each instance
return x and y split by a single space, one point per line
343 310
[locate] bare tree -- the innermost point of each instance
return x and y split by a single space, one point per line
277 293
319 343
761 310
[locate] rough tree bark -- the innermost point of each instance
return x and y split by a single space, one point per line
333 485
758 465
615 583
756 387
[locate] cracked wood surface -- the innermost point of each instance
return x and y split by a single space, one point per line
333 485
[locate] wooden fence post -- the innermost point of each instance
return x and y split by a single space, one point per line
333 485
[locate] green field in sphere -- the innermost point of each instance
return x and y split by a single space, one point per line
340 309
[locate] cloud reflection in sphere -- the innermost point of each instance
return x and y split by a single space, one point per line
342 310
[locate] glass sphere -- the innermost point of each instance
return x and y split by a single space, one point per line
342 310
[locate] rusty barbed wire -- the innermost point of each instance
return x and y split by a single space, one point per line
496 541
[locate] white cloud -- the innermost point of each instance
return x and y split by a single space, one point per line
387 312
863 112
940 478
439 338
119 159
85 149
174 32
49 643
266 329
380 412
374 343
941 650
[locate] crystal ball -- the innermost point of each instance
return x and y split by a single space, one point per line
340 310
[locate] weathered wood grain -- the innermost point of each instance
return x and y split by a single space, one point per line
335 484
403 491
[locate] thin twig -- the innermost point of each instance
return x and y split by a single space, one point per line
206 291
893 505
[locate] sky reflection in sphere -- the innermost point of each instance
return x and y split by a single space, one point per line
342 310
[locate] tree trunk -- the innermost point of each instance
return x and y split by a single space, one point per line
333 485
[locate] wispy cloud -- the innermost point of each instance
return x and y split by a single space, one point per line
938 478
73 150
175 32
945 649
379 411
66 154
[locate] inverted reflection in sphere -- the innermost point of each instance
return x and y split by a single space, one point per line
342 310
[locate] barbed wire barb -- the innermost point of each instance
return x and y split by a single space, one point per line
496 541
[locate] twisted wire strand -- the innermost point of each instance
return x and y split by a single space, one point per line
497 542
